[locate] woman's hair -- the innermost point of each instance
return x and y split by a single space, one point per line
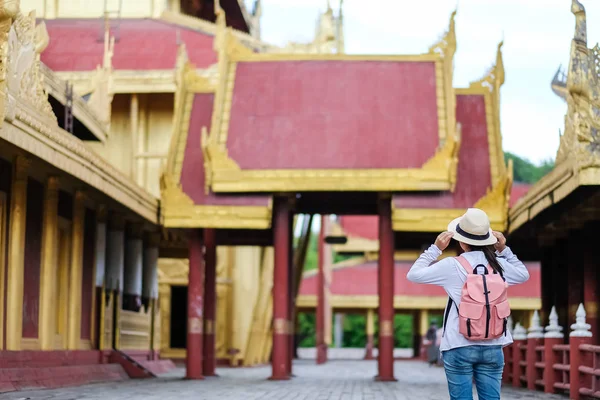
490 255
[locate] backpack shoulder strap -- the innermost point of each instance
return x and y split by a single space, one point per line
465 264
470 270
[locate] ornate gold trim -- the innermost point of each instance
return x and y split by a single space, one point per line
404 302
224 174
578 156
178 209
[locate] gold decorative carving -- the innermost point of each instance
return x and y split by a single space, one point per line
578 157
209 327
195 325
280 326
386 328
102 81
178 209
445 48
328 39
8 10
24 79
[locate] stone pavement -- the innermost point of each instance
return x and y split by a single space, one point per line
336 380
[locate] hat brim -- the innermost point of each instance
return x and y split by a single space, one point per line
474 242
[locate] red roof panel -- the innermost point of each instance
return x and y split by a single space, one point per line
518 190
333 115
143 44
192 172
362 280
362 226
473 172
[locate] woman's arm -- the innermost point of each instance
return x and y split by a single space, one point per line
515 271
422 271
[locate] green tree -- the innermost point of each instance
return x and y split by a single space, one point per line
527 172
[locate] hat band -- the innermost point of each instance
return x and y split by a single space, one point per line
470 235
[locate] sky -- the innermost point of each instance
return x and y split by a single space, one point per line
537 37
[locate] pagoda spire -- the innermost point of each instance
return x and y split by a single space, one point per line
341 46
577 75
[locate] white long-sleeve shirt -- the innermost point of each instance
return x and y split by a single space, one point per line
450 275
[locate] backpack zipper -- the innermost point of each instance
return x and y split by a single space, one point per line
487 307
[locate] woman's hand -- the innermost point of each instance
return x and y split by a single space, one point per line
501 243
443 240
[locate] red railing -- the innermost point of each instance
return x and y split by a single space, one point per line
561 367
544 362
590 370
539 366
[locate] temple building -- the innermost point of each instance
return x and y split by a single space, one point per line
155 157
556 220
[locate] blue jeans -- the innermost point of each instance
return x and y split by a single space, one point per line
484 363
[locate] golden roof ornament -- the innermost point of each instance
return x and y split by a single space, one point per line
580 142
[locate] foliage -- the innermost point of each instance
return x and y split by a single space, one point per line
355 332
527 172
312 253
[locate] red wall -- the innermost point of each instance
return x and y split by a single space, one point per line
87 277
33 252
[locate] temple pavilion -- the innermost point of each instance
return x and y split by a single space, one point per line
145 196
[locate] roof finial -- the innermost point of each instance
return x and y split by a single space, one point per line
553 330
580 21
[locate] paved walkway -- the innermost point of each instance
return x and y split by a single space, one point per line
336 380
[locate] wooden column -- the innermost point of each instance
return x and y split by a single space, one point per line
385 359
74 318
281 243
574 267
291 292
590 266
98 317
320 312
370 327
150 286
48 265
133 271
561 266
195 307
16 256
420 334
547 284
210 302
134 127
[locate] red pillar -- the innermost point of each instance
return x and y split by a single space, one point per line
507 364
590 285
531 358
210 299
195 307
281 323
291 292
550 358
577 359
385 361
320 323
516 359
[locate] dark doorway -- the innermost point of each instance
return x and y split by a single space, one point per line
178 317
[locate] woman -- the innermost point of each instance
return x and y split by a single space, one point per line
464 359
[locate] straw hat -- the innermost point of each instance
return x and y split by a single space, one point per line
473 228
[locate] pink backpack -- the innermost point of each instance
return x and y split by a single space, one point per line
483 311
